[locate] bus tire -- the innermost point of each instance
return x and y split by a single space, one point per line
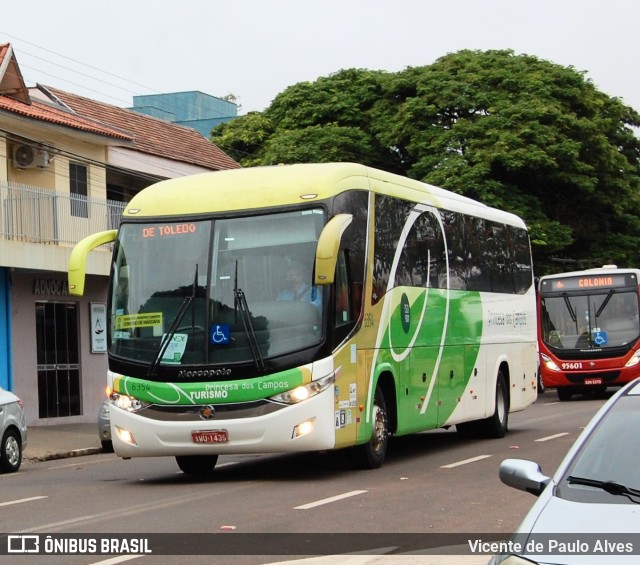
564 393
541 388
196 464
371 455
107 446
496 425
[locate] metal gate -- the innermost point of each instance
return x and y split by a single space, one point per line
59 391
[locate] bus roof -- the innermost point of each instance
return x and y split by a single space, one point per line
605 270
280 185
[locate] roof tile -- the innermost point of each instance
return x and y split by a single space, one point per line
39 111
152 135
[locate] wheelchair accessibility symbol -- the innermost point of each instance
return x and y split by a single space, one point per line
600 338
220 334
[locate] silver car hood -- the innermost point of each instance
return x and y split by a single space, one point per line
554 520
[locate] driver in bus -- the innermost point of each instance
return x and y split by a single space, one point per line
297 288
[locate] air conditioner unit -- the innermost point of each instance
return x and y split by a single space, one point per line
30 157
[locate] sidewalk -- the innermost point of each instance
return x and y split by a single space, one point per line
60 441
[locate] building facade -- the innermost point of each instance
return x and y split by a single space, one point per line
68 166
196 110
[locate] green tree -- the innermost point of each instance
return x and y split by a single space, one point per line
531 137
513 131
322 121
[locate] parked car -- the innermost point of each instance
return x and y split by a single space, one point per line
104 426
13 431
593 496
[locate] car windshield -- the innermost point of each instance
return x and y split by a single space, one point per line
611 454
216 291
590 321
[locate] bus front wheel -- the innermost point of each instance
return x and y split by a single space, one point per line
372 454
196 464
564 393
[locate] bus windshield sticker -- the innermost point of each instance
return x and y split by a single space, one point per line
146 320
600 338
220 334
175 350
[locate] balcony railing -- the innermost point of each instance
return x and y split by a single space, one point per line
38 215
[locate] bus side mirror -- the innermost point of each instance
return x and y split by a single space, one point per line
327 250
78 259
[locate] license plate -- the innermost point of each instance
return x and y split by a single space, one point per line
593 381
210 436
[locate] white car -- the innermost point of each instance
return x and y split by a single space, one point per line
104 426
589 510
13 431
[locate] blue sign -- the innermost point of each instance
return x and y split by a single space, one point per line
600 338
220 334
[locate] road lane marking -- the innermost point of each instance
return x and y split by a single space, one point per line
53 525
118 559
465 461
83 463
554 436
21 500
330 499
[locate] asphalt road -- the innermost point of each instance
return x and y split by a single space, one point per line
432 483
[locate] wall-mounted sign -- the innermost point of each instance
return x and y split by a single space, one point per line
98 317
50 287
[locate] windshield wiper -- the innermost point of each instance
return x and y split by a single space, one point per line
240 303
174 326
565 296
604 304
611 487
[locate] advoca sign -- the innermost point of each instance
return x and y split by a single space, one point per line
50 287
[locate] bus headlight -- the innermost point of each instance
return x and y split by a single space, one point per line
635 359
128 403
549 363
303 392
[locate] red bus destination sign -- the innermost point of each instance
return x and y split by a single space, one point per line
588 282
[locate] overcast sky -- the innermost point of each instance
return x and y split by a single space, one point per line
254 49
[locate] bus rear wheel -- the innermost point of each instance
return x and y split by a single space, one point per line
196 464
496 425
372 454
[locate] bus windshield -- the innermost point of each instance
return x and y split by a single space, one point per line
606 319
216 291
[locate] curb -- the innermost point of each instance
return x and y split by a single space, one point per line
65 454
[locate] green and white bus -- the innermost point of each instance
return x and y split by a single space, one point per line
416 311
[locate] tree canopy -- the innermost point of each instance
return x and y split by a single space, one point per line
513 131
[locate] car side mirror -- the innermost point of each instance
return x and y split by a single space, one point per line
523 475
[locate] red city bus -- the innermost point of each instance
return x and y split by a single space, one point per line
588 329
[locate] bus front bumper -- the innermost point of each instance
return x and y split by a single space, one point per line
306 426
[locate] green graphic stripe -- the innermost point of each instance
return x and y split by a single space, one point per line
224 392
417 326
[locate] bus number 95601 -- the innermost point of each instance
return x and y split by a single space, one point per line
571 366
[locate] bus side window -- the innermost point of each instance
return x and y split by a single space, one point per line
357 297
343 310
